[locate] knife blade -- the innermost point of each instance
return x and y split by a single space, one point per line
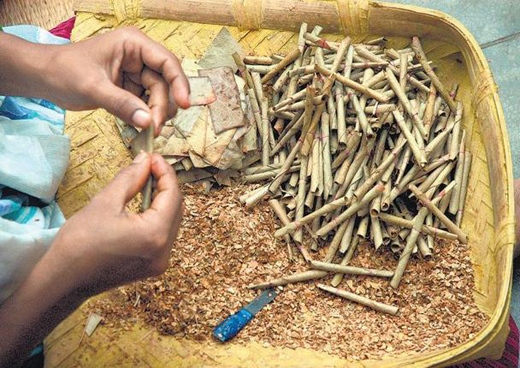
233 324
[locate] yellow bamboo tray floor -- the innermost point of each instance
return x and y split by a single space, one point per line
187 27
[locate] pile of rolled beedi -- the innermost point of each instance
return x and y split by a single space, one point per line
358 141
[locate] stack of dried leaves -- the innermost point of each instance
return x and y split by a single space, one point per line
223 247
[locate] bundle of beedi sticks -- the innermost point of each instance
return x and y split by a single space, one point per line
358 141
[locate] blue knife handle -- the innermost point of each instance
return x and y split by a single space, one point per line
228 328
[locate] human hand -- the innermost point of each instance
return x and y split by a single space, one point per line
113 71
100 247
104 246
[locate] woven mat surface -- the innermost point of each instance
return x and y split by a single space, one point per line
45 13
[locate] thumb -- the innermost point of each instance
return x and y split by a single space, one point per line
125 105
128 182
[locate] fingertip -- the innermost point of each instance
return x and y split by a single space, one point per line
157 158
160 164
129 181
141 118
183 99
157 124
158 129
181 91
141 157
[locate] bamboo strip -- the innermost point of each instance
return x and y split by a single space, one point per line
464 188
459 172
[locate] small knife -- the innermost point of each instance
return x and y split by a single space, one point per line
233 324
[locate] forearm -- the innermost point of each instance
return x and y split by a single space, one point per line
45 298
23 67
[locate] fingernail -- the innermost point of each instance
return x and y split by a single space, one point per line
140 157
141 118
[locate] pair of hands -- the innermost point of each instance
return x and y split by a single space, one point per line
103 245
113 71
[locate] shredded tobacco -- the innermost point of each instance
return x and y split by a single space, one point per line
224 247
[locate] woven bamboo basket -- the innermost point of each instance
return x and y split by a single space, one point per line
263 27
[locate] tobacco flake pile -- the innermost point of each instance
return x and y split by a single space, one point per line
223 247
366 161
